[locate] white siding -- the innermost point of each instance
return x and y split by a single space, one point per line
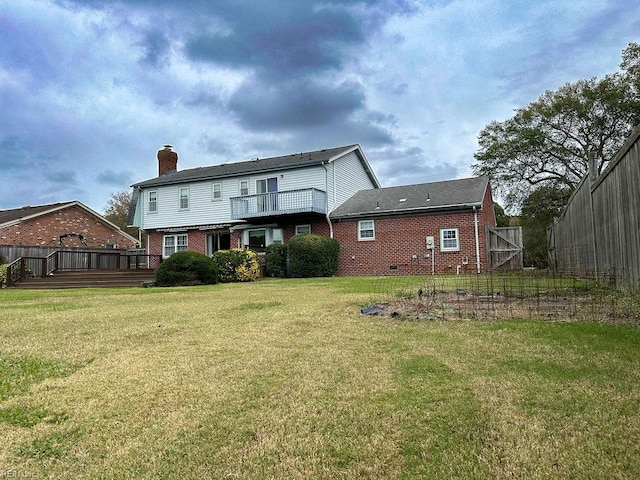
203 210
350 177
311 177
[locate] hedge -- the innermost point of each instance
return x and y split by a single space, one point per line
187 268
313 255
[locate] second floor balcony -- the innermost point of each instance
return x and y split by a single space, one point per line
308 200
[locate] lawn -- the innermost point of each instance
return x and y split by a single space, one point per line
287 379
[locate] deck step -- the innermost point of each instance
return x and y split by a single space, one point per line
90 279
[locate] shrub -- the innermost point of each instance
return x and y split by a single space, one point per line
187 268
237 265
313 255
15 273
276 260
3 259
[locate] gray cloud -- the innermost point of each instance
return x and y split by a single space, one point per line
121 179
297 103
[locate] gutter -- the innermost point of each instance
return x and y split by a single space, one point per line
442 208
475 222
326 189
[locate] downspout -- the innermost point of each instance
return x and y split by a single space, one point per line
475 222
326 188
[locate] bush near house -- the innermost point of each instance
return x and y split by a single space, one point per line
237 265
276 259
313 255
187 268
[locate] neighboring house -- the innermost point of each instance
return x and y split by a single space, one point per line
435 227
69 224
250 204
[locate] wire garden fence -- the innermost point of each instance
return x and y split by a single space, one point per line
527 295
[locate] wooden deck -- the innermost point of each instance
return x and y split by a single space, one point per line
89 279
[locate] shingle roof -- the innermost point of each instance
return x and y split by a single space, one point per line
295 160
15 214
436 196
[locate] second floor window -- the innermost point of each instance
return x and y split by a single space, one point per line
153 201
244 187
216 191
184 198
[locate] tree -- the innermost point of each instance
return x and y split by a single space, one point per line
502 219
539 210
548 142
117 211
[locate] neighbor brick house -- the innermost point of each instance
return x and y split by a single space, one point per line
332 192
69 224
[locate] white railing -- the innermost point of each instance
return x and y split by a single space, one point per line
309 200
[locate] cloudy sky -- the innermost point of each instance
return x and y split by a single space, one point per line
90 89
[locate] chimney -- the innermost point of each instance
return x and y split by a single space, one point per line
167 160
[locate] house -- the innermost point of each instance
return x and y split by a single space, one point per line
250 204
437 227
428 228
69 224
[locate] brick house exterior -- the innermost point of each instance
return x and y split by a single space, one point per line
404 217
331 192
247 204
43 225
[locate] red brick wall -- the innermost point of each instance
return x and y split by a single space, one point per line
401 242
196 241
46 230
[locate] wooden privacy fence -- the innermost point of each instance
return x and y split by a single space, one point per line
598 234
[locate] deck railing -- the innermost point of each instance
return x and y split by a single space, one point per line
308 200
75 260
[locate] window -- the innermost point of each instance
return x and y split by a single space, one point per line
216 191
449 240
257 239
276 236
184 198
302 229
260 238
174 243
244 187
268 188
153 201
366 230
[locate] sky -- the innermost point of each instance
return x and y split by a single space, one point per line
90 89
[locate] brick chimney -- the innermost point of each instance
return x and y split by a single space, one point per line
167 160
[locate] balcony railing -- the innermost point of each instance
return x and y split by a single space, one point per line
308 200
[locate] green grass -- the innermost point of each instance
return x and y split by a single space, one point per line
286 379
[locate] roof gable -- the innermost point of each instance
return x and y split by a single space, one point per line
436 196
16 215
22 214
260 165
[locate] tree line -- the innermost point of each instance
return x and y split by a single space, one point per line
537 157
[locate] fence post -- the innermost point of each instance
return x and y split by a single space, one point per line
43 273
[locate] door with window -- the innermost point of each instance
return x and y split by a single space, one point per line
218 241
267 189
